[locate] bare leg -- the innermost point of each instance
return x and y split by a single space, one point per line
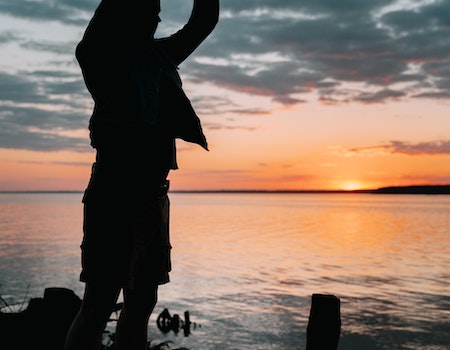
96 308
131 332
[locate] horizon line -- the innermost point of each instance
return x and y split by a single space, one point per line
409 189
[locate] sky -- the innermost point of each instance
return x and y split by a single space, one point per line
292 94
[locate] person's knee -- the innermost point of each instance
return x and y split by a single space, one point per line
99 301
139 303
138 312
93 317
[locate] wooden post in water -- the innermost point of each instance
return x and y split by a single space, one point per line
324 324
187 324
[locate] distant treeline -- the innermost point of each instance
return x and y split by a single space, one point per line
436 189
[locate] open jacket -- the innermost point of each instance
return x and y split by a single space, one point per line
133 78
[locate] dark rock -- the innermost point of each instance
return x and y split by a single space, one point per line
43 324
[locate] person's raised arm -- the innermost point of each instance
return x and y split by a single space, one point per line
203 19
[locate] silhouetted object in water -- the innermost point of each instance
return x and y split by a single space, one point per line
187 324
164 321
167 323
324 324
43 324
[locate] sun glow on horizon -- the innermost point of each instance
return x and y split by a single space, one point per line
352 185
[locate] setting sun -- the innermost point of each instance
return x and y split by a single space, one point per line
352 185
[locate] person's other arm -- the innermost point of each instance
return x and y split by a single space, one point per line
203 19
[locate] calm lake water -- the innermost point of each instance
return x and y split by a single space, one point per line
246 265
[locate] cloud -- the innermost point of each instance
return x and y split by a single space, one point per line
213 105
433 148
68 163
64 11
7 36
38 109
441 147
365 51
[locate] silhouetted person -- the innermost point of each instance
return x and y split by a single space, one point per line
140 109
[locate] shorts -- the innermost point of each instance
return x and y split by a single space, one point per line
125 237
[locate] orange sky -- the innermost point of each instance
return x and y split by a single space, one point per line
311 146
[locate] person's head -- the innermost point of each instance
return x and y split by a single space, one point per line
147 16
154 16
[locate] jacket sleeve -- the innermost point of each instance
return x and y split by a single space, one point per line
203 19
